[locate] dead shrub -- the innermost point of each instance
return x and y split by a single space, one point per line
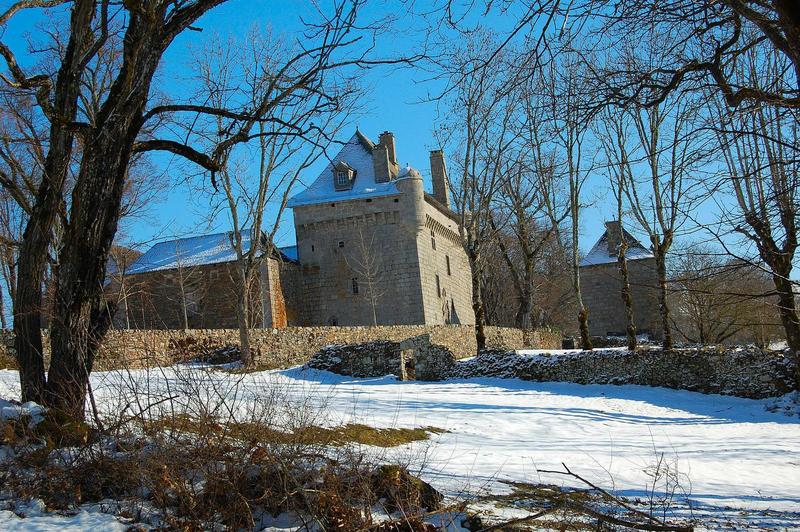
204 456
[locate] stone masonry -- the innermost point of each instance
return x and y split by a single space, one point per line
283 347
601 286
741 371
375 248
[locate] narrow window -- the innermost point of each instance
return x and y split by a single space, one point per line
438 286
341 243
433 239
355 285
312 248
447 261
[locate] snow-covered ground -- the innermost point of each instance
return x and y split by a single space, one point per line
722 452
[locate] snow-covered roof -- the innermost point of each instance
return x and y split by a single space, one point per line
356 153
600 254
195 251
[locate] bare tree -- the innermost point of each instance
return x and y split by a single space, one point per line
613 135
306 106
481 128
700 44
569 125
719 299
660 163
761 171
108 141
532 203
369 270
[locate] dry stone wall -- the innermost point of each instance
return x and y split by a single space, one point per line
292 345
412 359
741 371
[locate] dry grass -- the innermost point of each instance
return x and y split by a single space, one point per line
312 435
7 361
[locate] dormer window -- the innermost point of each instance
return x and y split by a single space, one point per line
343 176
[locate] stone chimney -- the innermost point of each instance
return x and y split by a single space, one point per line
384 158
387 139
613 237
441 188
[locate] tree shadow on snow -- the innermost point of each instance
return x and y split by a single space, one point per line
698 408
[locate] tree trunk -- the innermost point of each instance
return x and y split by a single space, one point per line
630 324
79 305
788 312
583 312
37 237
522 318
242 315
661 270
477 302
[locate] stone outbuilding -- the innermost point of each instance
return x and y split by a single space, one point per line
601 285
190 283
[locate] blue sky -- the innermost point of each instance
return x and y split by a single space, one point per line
396 102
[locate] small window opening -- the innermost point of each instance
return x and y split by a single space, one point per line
438 286
312 248
342 177
355 285
447 262
333 205
341 243
433 239
369 200
396 200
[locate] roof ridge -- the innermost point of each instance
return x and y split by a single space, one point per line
364 140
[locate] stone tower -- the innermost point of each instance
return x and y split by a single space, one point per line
602 285
364 204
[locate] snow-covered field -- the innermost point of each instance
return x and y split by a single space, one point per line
722 452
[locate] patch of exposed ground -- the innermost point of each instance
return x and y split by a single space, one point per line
351 433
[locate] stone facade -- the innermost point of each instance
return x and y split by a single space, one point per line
202 296
378 249
601 287
372 249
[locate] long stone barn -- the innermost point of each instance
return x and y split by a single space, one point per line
373 247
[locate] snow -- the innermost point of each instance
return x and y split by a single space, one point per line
33 516
194 251
356 155
726 453
599 253
31 410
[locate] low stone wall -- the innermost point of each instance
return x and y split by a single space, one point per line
293 345
744 372
412 359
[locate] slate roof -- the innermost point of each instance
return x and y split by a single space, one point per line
356 153
599 254
195 251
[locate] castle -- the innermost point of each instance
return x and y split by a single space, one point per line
372 248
